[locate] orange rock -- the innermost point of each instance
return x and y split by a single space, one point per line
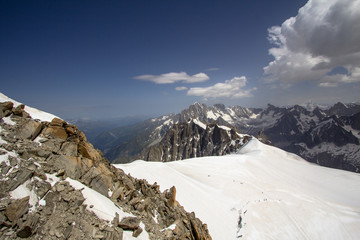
170 195
87 150
71 130
57 122
56 131
82 136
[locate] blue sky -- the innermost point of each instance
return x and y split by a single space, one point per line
120 58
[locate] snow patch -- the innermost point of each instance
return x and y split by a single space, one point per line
199 123
225 128
211 115
23 191
103 207
8 121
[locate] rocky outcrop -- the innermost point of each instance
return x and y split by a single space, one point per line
37 201
194 139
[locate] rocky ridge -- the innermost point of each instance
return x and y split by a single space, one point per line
194 139
47 172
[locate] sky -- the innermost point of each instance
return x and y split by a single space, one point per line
105 59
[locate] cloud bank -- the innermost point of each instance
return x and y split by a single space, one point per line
324 35
229 89
174 77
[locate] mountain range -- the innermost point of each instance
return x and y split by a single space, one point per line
328 137
55 185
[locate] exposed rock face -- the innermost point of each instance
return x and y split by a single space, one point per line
39 158
333 142
194 139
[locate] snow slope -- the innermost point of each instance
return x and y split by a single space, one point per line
34 113
270 193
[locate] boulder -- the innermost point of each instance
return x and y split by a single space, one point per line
57 122
6 106
21 176
5 109
17 209
19 111
30 130
56 132
71 165
42 188
29 226
129 223
71 130
137 232
118 194
115 221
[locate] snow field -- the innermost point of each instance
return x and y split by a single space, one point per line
278 195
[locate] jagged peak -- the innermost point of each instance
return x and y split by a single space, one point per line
340 104
198 104
220 106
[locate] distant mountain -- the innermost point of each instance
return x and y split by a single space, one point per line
194 139
287 127
333 142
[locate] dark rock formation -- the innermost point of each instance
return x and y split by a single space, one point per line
190 140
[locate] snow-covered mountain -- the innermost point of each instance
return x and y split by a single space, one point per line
262 192
288 128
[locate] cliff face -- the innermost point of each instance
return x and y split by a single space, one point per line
50 175
194 139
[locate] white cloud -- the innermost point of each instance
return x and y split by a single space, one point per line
229 89
173 77
324 35
334 80
181 88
